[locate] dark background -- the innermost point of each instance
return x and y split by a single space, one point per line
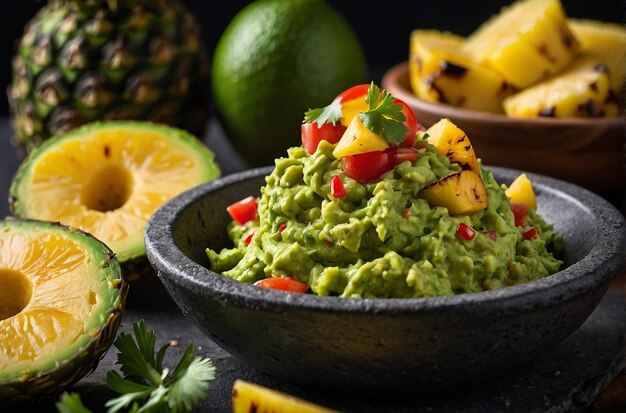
382 26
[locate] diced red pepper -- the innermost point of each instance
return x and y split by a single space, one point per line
337 190
530 233
247 240
491 234
282 227
465 232
283 284
406 212
520 212
243 211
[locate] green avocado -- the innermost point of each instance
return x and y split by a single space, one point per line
382 239
61 303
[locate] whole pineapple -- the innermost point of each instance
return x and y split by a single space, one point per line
86 60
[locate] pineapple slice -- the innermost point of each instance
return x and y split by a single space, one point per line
441 71
452 142
581 91
358 139
526 42
606 42
521 192
462 193
248 397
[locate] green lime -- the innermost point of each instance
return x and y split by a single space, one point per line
275 60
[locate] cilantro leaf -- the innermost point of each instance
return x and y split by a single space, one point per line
384 117
328 114
71 403
147 387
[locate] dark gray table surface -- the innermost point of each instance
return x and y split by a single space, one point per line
567 378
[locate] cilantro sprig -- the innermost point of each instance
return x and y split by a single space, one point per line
145 386
384 117
328 114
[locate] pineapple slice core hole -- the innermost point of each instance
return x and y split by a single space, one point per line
15 293
108 188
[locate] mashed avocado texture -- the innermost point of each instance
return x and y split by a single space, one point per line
382 239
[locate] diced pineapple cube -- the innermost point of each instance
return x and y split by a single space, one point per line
351 108
521 192
461 193
453 143
441 71
528 41
581 91
359 139
248 397
606 42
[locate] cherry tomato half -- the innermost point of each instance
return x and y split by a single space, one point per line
243 211
353 93
369 166
283 284
313 134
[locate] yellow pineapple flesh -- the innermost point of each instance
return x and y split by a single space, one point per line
607 43
359 139
453 143
249 397
461 193
583 90
521 192
441 71
528 41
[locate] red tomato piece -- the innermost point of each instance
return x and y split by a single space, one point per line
406 154
313 134
283 284
248 239
491 234
520 212
530 233
369 166
281 228
353 93
406 212
337 190
243 211
465 232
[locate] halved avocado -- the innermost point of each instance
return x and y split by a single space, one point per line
108 179
61 303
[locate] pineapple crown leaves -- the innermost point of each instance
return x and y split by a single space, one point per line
384 117
144 385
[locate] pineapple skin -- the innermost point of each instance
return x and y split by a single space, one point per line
78 62
441 71
527 42
581 91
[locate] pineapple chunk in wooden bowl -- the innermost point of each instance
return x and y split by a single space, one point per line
586 151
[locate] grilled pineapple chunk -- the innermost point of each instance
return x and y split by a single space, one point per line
526 42
358 139
452 142
248 397
606 42
521 192
581 91
461 193
441 71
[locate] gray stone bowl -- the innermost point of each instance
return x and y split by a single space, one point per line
385 344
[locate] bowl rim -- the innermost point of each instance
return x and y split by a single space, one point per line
599 265
391 81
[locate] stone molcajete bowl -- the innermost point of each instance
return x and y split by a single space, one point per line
385 344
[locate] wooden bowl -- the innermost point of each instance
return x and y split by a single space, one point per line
588 152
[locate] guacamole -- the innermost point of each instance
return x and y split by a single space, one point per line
382 239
